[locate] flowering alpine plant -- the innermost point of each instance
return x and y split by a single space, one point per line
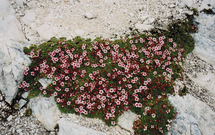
104 78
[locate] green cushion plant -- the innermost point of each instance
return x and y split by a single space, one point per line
103 78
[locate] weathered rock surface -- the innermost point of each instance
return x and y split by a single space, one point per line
205 38
45 110
68 127
12 64
126 120
10 27
194 117
45 82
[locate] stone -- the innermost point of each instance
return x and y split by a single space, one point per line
45 82
20 2
56 1
88 15
22 102
204 5
68 127
144 17
126 120
205 38
47 31
25 94
79 32
29 17
206 81
10 28
195 130
9 118
143 27
184 3
192 113
149 21
45 110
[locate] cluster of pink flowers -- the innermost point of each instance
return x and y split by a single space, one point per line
103 78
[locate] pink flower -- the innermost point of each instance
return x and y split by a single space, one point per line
32 73
41 88
25 73
68 102
44 92
27 68
81 88
113 122
153 115
131 42
58 100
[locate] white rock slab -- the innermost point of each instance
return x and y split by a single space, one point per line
47 31
11 70
29 17
79 32
45 110
205 38
126 120
69 128
45 82
143 27
194 116
205 81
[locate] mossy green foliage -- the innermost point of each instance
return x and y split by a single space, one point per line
155 113
27 112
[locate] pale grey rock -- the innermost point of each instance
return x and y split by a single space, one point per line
9 118
45 82
206 81
22 102
205 38
29 17
79 32
143 27
25 94
45 110
204 4
47 31
20 2
193 116
126 120
68 127
144 17
172 5
195 130
188 3
149 21
88 15
56 1
10 28
31 4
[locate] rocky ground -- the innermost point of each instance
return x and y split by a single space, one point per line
29 22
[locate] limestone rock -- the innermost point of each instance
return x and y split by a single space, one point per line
89 15
126 120
47 31
45 110
79 32
205 38
188 3
143 27
12 64
67 127
29 17
56 1
45 82
194 114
